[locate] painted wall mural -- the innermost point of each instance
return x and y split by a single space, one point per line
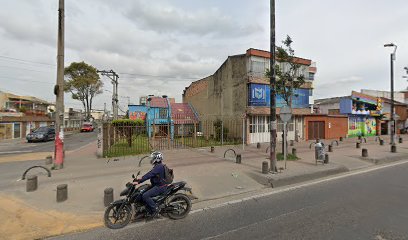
361 126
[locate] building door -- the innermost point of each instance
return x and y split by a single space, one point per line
17 130
316 130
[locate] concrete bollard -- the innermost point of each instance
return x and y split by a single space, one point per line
326 158
393 148
32 183
108 196
294 152
341 139
330 148
265 167
364 152
292 142
400 140
238 159
381 142
212 149
358 145
62 192
48 160
258 145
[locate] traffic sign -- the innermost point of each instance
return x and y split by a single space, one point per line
285 113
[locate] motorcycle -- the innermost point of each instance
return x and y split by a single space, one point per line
172 203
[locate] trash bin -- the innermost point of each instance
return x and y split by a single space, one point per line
320 151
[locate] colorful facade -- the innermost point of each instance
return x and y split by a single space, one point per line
363 112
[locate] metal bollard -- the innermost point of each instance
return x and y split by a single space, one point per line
292 143
212 149
48 160
393 148
265 167
32 183
238 159
381 142
330 148
364 152
294 153
400 140
341 139
358 145
62 192
108 196
326 158
258 145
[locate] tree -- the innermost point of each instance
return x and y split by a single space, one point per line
83 82
288 72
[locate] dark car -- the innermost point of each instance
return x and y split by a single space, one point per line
41 134
404 130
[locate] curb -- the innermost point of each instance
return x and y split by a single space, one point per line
269 181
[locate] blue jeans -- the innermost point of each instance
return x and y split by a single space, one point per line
152 192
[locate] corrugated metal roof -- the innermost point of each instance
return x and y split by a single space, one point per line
158 102
182 113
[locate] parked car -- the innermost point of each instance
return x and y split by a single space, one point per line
87 127
41 134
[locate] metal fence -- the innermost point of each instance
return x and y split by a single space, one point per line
132 140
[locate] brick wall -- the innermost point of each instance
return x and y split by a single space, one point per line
338 126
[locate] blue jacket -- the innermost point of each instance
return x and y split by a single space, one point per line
156 175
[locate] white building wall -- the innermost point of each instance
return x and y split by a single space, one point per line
398 96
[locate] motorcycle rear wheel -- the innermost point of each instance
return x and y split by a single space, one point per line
116 220
182 205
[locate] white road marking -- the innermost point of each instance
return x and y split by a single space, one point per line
10 152
301 185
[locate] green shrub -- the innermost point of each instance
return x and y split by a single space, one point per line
128 122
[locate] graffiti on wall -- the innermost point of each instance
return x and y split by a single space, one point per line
137 115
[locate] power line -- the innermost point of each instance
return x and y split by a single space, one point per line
32 70
27 61
24 80
157 76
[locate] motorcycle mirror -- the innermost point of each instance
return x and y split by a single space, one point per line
133 176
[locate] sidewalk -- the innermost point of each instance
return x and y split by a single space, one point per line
211 176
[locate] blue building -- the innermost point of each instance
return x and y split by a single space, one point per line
157 116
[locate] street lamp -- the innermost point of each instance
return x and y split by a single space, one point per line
392 59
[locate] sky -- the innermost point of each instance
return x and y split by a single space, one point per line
159 47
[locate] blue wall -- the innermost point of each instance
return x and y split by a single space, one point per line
152 116
259 95
346 105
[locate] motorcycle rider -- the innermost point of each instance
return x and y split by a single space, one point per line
158 185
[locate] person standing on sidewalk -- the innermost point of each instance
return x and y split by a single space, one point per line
157 180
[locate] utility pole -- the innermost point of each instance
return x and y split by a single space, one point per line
392 59
59 92
113 76
273 123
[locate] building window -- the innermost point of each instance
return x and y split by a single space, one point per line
311 76
162 113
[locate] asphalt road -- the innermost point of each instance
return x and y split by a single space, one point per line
372 205
71 142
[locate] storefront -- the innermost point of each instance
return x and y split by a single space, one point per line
259 113
363 114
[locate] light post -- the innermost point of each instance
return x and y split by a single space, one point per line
392 59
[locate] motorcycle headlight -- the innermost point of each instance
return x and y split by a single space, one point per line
40 135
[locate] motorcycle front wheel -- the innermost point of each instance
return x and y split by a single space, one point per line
116 218
181 206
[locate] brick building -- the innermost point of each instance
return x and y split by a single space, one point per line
239 91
